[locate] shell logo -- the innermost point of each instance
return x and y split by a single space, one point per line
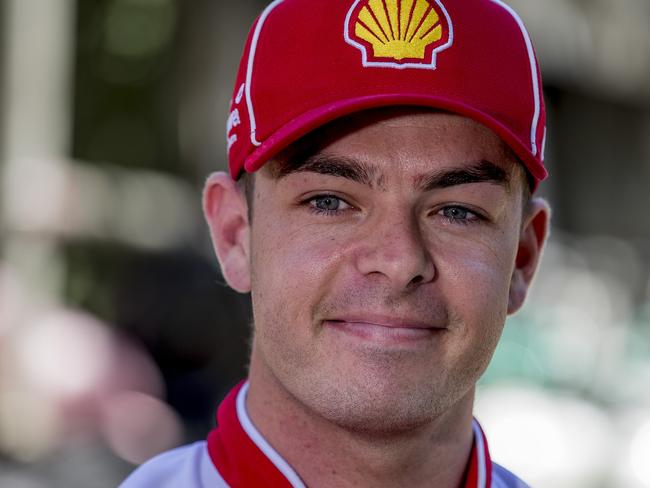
399 33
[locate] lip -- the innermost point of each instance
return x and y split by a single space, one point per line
385 321
384 329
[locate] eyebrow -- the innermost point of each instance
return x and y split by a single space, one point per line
341 166
482 172
350 168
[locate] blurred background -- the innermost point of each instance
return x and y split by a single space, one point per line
118 336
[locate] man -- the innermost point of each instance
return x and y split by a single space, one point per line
383 222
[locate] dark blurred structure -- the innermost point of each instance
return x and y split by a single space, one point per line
113 112
150 85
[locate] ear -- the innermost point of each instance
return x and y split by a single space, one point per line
533 236
226 212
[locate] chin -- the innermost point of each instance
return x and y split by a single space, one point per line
373 409
371 421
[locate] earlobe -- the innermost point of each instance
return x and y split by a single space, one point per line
533 236
226 212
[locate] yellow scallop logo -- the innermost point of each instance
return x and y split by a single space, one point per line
399 33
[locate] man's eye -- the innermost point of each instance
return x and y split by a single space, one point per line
459 215
328 204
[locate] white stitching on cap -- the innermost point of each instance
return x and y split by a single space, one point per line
533 71
249 71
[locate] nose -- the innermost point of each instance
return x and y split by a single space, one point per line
394 249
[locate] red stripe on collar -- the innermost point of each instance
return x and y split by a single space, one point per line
237 458
479 468
242 463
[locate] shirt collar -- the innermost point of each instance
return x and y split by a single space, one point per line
244 458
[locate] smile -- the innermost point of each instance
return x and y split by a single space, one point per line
385 331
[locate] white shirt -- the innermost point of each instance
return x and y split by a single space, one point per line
237 456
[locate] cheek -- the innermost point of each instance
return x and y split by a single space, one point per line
475 285
475 277
290 269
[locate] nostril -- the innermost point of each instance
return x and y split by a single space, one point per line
417 280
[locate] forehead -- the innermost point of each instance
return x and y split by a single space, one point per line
410 140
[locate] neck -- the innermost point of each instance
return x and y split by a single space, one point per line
325 454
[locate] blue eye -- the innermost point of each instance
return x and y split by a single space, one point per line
460 215
328 204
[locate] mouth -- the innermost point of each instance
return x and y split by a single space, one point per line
385 330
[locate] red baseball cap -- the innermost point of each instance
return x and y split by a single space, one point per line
308 62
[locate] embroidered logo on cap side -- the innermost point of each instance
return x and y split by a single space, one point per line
399 33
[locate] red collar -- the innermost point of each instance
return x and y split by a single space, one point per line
245 459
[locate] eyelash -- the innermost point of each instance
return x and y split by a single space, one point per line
319 211
472 217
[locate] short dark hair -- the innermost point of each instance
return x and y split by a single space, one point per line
246 184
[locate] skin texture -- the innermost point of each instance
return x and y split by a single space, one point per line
378 299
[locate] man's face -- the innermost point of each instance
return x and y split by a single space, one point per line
381 265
